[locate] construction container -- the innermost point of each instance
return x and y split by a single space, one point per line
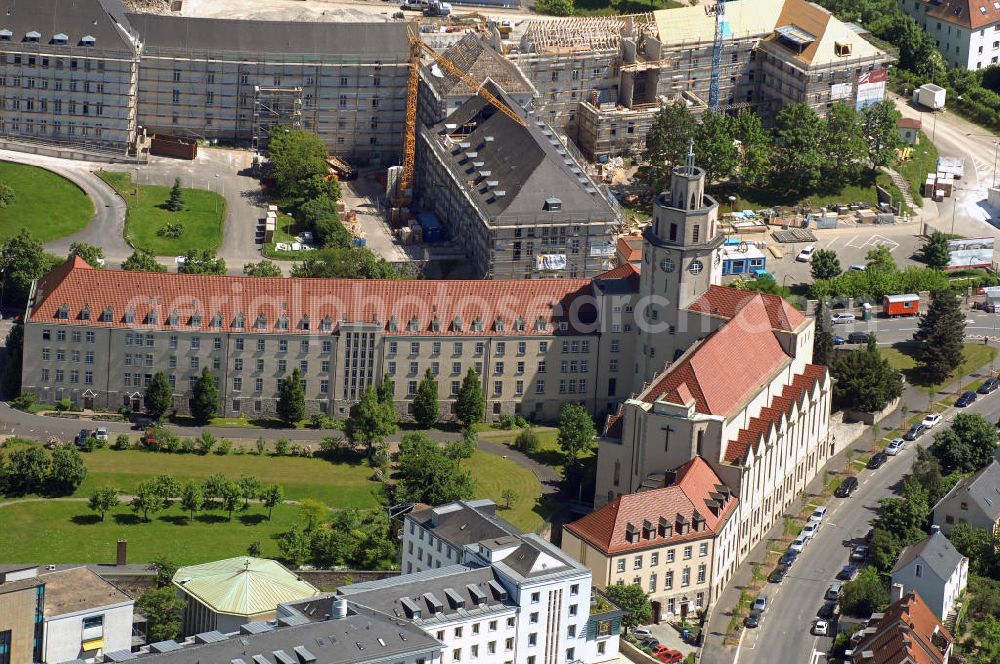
173 146
431 227
930 95
901 305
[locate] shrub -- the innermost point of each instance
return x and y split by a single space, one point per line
261 446
25 401
7 195
64 405
169 442
171 229
187 446
520 422
505 421
527 441
281 447
122 441
89 444
100 443
321 421
224 447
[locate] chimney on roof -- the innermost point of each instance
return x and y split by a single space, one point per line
121 557
896 593
669 478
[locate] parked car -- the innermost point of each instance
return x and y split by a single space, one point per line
856 268
788 557
649 642
839 341
989 385
931 421
828 611
809 530
818 514
967 398
806 254
641 633
799 543
895 446
760 604
665 654
834 591
81 438
101 434
778 575
847 487
877 460
860 553
848 572
752 620
821 628
858 338
843 317
916 431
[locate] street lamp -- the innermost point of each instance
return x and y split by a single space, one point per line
995 144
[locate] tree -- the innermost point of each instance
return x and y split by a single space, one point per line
976 544
311 511
250 488
27 470
23 261
986 633
576 432
88 252
798 158
926 470
634 601
212 486
142 261
176 201
165 569
554 7
386 390
425 403
272 496
885 550
67 470
230 495
823 339
935 251
264 268
15 361
295 155
202 261
667 141
967 445
291 399
427 475
754 146
344 263
941 334
463 449
103 500
881 135
470 404
192 498
865 380
204 398
880 259
166 487
843 144
162 608
509 497
373 420
864 595
294 545
713 145
825 264
355 539
147 500
159 396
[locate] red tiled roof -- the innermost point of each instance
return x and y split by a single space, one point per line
725 369
772 416
696 481
630 247
727 302
315 301
908 632
973 14
614 424
908 123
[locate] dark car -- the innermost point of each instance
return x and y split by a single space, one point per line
860 553
753 619
989 386
788 558
915 431
81 438
847 573
847 487
828 611
778 575
966 399
857 338
877 460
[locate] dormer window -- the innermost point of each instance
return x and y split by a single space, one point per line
647 530
456 324
172 319
196 319
152 318
519 325
540 324
326 324
498 325
666 528
107 315
60 39
699 522
631 534
63 312
414 325
563 326
130 316
85 312
282 322
88 40
436 324
217 321
304 323
393 324
239 322
477 325
6 35
261 323
33 36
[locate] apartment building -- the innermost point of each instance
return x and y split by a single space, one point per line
967 32
69 74
514 193
233 80
22 615
678 542
907 631
556 616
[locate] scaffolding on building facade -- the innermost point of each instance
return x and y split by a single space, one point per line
272 107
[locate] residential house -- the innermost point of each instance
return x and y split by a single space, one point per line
967 32
974 500
935 570
909 130
907 632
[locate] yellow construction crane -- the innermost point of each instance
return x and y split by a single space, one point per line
417 45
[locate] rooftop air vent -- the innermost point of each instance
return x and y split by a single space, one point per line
553 204
485 174
465 145
471 155
492 183
487 139
499 194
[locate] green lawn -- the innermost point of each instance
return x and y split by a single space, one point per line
63 532
48 205
902 358
922 161
203 217
285 231
493 474
864 191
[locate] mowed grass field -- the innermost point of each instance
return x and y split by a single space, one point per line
902 358
203 216
48 205
493 474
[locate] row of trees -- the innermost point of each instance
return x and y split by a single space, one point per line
29 468
801 155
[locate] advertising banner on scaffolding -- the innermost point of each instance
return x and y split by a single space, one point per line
871 87
550 262
602 249
970 252
840 91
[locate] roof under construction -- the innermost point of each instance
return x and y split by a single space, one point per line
477 59
242 586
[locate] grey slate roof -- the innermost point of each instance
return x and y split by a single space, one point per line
74 18
474 57
455 589
200 35
363 636
981 488
936 552
464 522
529 164
520 563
